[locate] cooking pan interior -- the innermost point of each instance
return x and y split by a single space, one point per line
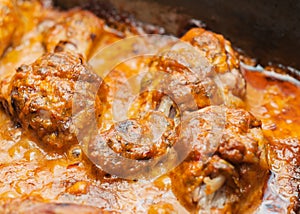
266 30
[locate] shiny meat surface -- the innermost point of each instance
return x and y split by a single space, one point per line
226 169
34 20
139 139
74 31
215 47
219 52
42 94
227 162
8 20
132 148
191 89
205 73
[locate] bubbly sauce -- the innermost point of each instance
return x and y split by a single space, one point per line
51 176
276 103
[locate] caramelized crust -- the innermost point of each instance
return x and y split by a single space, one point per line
227 164
219 52
228 167
8 23
42 94
75 31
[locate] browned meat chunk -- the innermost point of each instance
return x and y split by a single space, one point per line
75 31
41 95
8 19
219 52
226 168
148 135
135 139
214 47
206 73
186 76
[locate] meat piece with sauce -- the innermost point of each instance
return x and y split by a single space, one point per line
226 169
41 96
76 31
8 19
202 72
219 52
148 136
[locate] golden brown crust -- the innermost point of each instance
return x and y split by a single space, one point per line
233 171
8 23
215 47
42 95
76 31
227 148
219 52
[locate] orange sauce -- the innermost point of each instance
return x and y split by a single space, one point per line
27 170
276 103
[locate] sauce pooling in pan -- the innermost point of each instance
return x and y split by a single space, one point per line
252 166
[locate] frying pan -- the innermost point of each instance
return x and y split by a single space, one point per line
266 30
